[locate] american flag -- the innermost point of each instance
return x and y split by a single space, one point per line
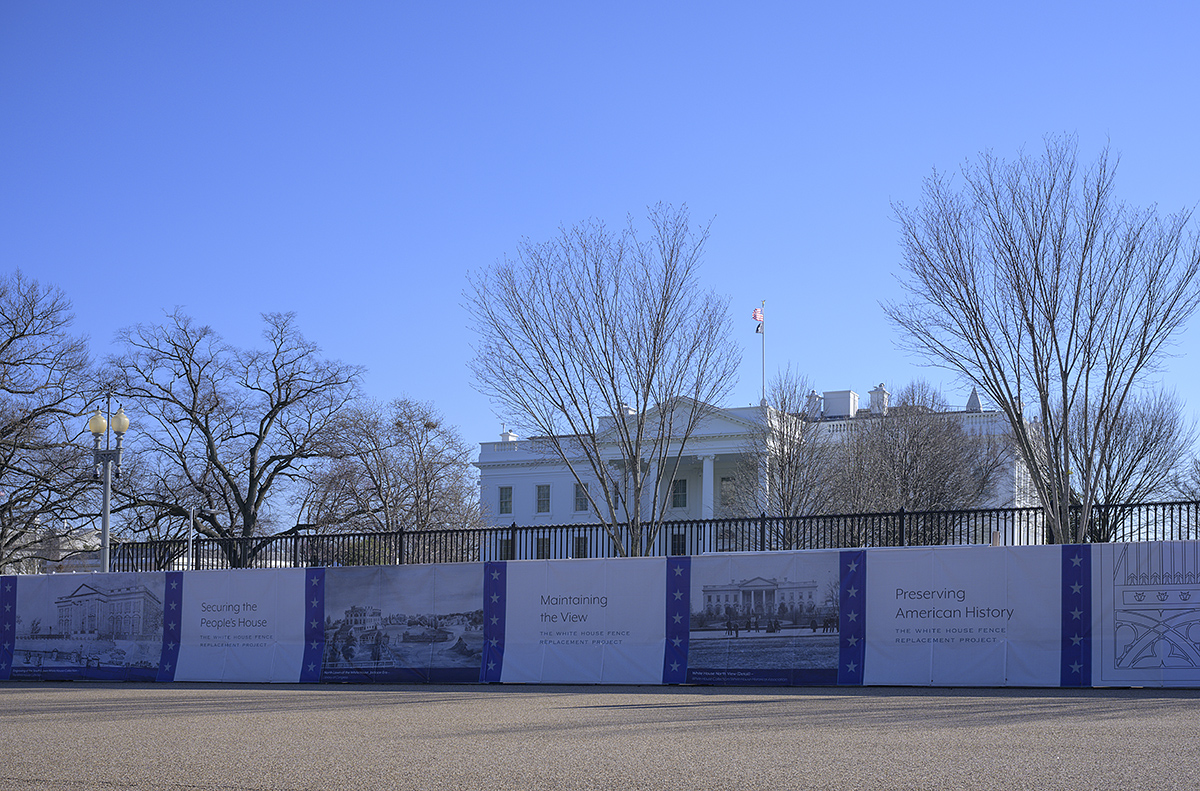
757 314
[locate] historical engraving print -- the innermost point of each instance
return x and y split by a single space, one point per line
406 623
104 626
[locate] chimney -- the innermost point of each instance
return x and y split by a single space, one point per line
879 400
508 436
840 404
812 406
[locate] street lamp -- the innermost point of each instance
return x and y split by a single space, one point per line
103 460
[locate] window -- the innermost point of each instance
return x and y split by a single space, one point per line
727 492
679 493
581 498
581 547
679 543
505 499
543 498
543 548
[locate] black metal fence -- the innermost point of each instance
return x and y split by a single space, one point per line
1002 526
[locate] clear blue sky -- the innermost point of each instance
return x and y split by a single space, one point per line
352 162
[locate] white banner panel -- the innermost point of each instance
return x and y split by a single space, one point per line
585 621
1146 614
242 625
955 616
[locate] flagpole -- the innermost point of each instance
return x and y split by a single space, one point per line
764 355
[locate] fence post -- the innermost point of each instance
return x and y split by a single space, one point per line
903 537
512 542
762 533
399 547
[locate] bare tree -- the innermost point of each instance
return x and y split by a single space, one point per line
44 375
789 465
1186 485
1033 283
399 468
1150 442
919 456
605 346
225 429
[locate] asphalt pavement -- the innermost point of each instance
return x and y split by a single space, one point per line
79 735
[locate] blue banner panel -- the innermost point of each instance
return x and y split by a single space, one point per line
8 624
172 610
495 602
679 589
852 617
1076 643
314 626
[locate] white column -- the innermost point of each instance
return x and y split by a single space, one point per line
706 489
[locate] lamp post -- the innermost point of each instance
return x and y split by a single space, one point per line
103 460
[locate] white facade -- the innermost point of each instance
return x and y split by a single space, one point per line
521 481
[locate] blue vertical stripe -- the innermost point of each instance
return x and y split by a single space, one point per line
679 595
495 590
1076 670
8 624
172 619
314 625
852 617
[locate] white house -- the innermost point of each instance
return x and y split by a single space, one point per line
522 482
